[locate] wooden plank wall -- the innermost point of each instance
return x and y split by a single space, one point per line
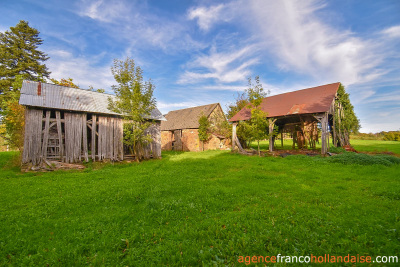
154 148
33 136
106 138
75 131
110 136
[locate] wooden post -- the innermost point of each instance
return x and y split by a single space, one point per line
271 131
282 139
84 137
94 137
323 119
233 135
59 131
46 135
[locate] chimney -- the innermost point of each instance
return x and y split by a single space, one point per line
39 89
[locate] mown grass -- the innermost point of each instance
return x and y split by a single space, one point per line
359 145
190 209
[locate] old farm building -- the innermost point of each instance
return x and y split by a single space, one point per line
72 125
181 130
298 114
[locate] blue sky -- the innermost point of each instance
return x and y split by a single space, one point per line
201 52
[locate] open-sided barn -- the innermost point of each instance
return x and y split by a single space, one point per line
72 125
299 113
181 129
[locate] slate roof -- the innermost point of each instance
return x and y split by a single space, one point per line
311 100
45 95
187 118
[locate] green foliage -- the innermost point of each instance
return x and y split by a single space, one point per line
135 101
19 55
143 215
346 121
255 129
241 101
204 126
391 136
65 82
255 92
13 117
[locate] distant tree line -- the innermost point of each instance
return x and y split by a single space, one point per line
386 136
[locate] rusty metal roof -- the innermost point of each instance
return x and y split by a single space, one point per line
311 100
45 95
187 118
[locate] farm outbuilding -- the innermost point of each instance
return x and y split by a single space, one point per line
180 131
300 114
72 125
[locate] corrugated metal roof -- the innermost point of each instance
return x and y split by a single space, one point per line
311 100
53 96
187 118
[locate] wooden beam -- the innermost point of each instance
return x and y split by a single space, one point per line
93 128
234 135
84 137
271 131
59 131
46 134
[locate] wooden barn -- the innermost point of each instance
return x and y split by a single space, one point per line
72 125
181 129
300 114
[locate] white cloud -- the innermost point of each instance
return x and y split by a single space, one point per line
206 17
225 67
106 11
302 42
83 70
392 32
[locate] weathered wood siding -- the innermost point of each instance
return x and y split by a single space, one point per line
154 148
33 136
64 136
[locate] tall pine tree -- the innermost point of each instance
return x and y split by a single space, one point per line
19 55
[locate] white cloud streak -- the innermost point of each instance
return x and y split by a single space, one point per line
83 70
225 67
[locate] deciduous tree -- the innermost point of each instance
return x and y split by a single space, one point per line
204 126
135 102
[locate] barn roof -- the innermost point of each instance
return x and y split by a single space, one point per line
45 95
187 118
311 100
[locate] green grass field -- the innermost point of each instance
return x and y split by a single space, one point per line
360 145
191 209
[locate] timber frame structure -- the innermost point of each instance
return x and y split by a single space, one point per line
72 125
301 114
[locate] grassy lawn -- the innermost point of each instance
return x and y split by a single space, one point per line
359 145
191 209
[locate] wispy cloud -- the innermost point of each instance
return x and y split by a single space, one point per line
207 16
84 71
227 67
106 11
392 32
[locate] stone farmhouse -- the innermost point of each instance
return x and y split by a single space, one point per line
180 131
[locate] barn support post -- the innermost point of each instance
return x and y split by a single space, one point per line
323 119
84 137
46 135
282 139
93 148
59 131
271 134
234 135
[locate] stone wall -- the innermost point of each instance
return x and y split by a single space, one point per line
190 141
166 140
